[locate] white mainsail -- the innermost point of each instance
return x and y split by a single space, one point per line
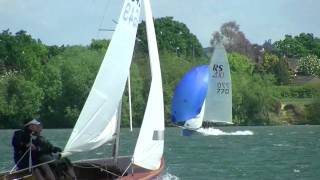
218 103
149 148
96 123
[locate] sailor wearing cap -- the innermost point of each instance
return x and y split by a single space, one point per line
29 139
26 147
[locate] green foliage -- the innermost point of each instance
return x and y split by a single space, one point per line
23 54
67 84
52 82
138 97
99 45
55 50
252 95
270 61
290 47
298 46
303 91
240 64
172 36
172 69
20 99
313 113
276 66
310 65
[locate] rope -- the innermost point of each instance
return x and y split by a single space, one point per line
14 167
126 169
21 170
30 155
30 159
106 9
37 165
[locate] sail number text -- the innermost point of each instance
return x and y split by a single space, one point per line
217 71
223 88
132 12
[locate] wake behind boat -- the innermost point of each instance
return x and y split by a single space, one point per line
99 120
218 132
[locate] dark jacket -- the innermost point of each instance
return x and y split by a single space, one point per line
44 149
21 138
42 153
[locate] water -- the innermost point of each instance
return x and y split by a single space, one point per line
276 152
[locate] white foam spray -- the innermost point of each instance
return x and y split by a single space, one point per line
168 176
218 132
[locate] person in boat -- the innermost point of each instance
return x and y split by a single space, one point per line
23 143
48 152
43 151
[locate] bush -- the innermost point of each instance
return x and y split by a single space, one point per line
312 112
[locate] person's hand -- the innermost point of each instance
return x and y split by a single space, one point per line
34 137
56 155
33 147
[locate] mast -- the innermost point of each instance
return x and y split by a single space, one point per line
115 149
130 109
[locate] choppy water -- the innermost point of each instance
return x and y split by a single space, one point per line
245 153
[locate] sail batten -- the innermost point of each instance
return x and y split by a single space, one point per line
95 125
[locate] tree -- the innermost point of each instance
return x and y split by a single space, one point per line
309 65
268 46
290 47
252 93
172 36
311 43
19 100
67 83
100 45
277 66
23 54
312 112
234 39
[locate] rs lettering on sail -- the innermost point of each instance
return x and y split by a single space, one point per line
217 71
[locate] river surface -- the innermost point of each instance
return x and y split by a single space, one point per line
239 153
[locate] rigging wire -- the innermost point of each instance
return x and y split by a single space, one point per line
106 9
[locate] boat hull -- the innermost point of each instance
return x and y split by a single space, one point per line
99 169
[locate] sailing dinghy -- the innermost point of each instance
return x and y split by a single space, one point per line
99 120
204 96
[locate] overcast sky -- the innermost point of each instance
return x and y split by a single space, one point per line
58 22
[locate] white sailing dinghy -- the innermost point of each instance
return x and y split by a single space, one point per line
218 102
204 95
99 120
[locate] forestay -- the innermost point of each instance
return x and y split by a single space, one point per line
149 148
219 95
96 123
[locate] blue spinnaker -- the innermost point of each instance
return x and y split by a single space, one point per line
190 94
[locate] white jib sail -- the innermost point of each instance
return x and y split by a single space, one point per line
219 94
149 148
93 125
